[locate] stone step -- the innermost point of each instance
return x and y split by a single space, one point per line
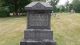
38 34
31 42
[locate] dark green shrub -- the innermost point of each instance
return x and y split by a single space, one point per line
4 11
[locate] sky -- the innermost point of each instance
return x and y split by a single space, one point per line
62 2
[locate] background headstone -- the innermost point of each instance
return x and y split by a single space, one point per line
38 30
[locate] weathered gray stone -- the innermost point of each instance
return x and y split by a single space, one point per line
38 6
31 42
38 30
38 35
39 20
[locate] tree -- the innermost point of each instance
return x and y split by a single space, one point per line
62 8
70 7
39 0
76 5
54 3
67 6
1 3
4 12
16 5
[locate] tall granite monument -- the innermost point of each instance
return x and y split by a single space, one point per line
38 30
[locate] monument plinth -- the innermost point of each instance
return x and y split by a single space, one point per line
38 30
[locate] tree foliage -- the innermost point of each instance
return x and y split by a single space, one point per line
16 6
76 5
67 6
54 3
62 8
38 0
4 12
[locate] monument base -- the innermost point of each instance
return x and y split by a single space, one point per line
31 42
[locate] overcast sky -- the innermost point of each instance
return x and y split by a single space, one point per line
62 2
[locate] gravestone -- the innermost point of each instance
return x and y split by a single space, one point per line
38 30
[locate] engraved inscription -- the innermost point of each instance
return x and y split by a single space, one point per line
38 20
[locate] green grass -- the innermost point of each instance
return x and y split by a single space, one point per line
66 29
11 30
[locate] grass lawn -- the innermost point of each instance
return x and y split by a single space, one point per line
66 29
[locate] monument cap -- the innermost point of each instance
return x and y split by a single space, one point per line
38 6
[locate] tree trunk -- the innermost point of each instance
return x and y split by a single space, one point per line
15 13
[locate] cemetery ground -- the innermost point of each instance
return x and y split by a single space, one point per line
66 27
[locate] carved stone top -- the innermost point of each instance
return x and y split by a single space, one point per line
38 14
38 6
